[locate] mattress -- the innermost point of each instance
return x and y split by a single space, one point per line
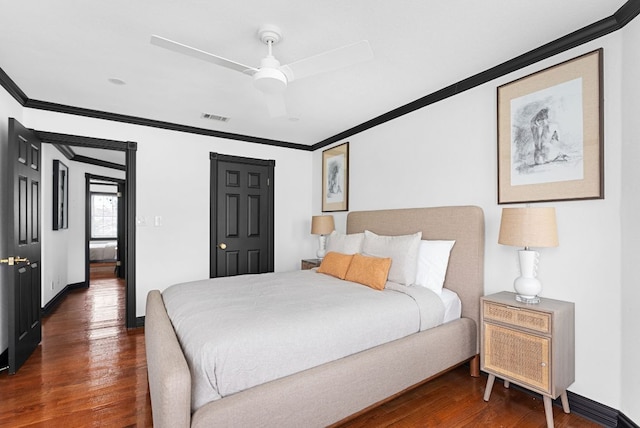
238 332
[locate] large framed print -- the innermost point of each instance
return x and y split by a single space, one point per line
550 134
335 178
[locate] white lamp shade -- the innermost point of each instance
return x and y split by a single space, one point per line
529 227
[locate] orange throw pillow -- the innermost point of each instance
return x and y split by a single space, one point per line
335 264
369 271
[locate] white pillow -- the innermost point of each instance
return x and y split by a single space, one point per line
402 249
345 244
433 259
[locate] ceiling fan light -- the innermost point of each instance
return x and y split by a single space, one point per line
270 81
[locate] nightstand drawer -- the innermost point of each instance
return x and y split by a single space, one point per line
518 356
310 263
532 320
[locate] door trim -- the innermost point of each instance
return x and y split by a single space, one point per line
130 148
213 238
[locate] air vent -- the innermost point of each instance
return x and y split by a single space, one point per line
215 117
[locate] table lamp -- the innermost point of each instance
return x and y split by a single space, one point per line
528 227
322 225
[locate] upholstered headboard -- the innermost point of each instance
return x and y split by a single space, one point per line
464 224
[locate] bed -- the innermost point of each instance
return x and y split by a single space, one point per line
334 391
103 251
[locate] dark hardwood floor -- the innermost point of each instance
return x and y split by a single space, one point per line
90 371
456 400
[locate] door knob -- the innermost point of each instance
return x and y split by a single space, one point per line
222 246
13 260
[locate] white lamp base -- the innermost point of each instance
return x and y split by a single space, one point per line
321 248
527 286
528 300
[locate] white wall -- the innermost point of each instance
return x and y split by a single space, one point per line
55 243
630 227
8 108
445 154
173 174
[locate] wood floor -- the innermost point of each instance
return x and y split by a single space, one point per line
90 371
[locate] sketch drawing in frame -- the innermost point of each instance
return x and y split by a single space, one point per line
60 195
335 178
550 134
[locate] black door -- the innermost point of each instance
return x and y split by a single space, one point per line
241 215
22 210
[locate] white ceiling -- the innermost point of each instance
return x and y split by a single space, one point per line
66 51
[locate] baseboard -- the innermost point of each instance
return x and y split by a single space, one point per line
589 409
4 360
140 322
82 284
58 298
625 422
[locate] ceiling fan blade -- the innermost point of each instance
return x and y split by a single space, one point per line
275 104
197 53
329 61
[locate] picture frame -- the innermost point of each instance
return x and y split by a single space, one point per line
551 133
335 178
60 195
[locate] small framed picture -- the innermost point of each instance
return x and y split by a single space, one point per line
60 195
335 178
550 134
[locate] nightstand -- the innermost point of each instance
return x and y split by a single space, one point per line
530 345
310 263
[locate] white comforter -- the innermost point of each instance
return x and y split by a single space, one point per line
103 250
238 332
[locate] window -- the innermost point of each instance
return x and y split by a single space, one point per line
104 215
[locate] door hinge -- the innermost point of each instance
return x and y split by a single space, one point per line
119 194
268 182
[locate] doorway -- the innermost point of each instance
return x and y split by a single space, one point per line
105 208
128 249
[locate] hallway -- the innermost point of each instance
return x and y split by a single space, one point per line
89 369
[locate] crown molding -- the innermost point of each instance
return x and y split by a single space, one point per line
10 86
115 117
99 162
66 151
625 14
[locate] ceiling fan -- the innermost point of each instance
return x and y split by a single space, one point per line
270 77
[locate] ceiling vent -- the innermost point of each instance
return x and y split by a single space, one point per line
215 117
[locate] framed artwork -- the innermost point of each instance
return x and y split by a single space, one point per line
60 195
550 134
335 178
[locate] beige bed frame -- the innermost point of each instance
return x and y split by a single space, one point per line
333 392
